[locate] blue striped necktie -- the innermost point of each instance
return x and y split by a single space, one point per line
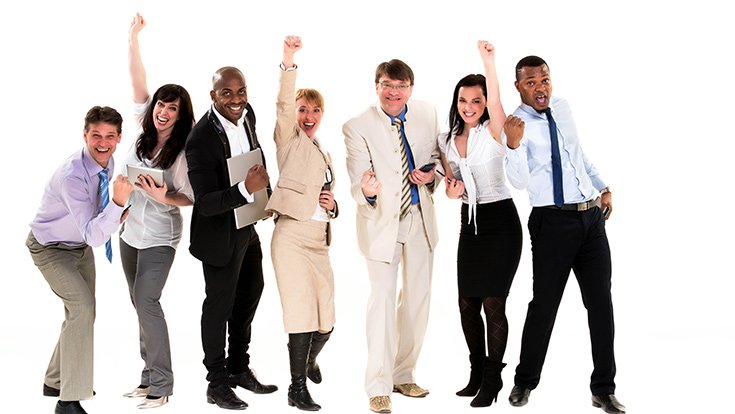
555 161
405 182
104 200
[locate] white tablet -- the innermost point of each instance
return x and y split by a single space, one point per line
135 170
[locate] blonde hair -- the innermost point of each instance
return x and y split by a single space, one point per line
311 95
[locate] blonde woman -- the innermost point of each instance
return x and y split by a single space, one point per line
304 205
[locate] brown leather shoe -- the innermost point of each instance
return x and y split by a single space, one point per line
380 404
410 390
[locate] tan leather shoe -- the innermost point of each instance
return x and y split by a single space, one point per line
410 390
380 404
137 393
153 402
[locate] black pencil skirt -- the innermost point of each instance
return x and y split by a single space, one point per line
487 261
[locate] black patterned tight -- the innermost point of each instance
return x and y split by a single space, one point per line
474 329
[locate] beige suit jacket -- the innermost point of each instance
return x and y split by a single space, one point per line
371 142
301 163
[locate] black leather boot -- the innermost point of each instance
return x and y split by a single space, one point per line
492 382
317 343
476 366
298 352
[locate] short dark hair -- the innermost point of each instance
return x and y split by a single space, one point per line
148 139
394 69
103 114
456 123
529 61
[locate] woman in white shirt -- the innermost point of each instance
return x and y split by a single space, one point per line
490 239
154 224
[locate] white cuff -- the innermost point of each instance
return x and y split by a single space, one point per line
244 191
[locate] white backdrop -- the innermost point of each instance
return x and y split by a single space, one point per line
645 80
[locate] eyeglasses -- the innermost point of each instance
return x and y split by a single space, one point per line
401 87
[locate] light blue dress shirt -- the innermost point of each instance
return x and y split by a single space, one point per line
529 165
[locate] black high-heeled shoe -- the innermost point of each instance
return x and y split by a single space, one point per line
492 383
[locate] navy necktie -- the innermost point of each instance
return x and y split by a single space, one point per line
555 161
104 200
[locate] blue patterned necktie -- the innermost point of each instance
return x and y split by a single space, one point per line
555 161
406 183
104 199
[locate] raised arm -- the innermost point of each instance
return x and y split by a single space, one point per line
494 106
285 103
291 45
135 63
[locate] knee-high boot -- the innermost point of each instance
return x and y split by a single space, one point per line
298 353
317 343
492 382
476 367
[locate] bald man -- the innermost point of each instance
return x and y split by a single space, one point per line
231 257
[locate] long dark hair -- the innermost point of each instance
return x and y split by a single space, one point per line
175 144
456 123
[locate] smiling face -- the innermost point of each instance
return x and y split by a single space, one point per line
471 104
308 116
534 85
393 94
101 139
229 94
165 115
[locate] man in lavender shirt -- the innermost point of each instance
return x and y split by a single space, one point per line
76 213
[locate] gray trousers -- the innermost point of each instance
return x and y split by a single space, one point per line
69 271
146 271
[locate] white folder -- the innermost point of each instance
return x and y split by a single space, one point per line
238 167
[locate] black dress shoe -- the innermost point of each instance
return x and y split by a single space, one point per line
608 403
225 398
70 407
50 391
248 381
519 396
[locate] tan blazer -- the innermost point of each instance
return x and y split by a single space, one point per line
301 164
371 142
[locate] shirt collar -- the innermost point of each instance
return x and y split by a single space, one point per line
91 165
401 116
529 110
226 123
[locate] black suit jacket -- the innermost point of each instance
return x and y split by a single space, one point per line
213 231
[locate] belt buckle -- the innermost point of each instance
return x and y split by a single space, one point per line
583 206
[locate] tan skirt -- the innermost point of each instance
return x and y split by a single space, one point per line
304 275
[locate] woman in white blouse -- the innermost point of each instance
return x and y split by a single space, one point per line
153 227
490 237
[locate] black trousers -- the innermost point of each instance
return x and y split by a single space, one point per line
232 295
562 241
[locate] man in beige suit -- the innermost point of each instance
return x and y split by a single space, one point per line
391 154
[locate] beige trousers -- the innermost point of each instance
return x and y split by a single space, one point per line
300 257
70 273
396 328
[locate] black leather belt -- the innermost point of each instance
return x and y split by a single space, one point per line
578 206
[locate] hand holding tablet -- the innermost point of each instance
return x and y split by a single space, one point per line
134 171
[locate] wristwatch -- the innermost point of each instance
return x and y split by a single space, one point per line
605 190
